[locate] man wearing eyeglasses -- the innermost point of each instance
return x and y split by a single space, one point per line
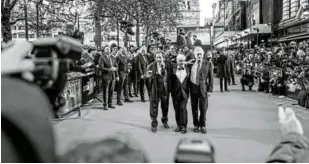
201 85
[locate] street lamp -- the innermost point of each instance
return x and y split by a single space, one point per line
37 17
271 35
257 35
249 47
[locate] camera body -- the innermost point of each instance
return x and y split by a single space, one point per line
195 151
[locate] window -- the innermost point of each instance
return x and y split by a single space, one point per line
21 27
290 8
21 35
188 3
13 27
31 36
14 35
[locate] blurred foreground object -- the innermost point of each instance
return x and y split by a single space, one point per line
195 151
120 148
26 132
294 147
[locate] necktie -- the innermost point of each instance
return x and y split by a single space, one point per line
198 73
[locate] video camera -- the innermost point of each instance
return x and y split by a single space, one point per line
51 57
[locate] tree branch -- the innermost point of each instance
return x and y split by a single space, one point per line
13 4
15 21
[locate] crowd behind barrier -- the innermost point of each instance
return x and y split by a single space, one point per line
287 67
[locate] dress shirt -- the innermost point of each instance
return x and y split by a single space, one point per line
194 72
181 73
159 66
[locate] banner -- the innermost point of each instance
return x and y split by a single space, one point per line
72 95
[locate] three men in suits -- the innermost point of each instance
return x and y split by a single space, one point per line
180 92
107 67
123 70
201 85
158 73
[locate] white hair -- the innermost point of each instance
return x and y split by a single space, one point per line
198 50
180 56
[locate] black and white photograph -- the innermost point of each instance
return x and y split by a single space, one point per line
154 81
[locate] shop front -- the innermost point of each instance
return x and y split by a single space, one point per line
298 31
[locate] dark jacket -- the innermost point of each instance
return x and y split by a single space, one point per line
167 84
188 42
141 65
294 148
105 65
222 68
179 90
122 62
231 65
197 42
206 77
181 41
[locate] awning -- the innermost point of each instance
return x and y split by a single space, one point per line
295 37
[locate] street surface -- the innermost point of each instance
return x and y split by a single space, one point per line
243 126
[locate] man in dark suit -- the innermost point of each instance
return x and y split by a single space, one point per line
114 79
201 78
142 63
197 42
180 92
181 40
231 68
189 40
122 62
107 68
222 71
159 72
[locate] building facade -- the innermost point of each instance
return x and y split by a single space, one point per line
190 10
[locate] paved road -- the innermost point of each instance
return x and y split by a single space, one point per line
242 126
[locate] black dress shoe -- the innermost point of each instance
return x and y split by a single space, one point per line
143 101
178 129
135 95
166 125
243 90
130 95
111 106
196 129
227 90
153 129
183 131
203 130
105 108
127 100
119 103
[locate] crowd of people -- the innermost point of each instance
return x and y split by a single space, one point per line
282 70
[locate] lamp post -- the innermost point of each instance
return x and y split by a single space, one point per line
37 17
271 35
26 19
248 44
257 35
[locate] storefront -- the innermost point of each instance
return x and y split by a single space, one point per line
298 31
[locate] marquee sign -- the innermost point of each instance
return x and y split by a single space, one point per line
299 29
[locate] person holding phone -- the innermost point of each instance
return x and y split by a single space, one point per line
158 74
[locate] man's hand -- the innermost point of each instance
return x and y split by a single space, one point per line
142 77
208 94
113 69
191 61
117 78
288 121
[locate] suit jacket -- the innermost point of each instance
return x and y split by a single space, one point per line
122 62
222 68
197 42
188 42
181 42
167 84
141 65
179 90
231 65
206 77
105 66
